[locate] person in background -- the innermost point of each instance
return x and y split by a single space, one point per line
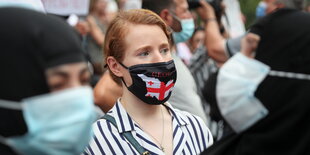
176 15
184 52
97 21
307 7
147 73
187 49
202 66
271 6
233 18
232 47
261 9
121 4
262 95
197 39
221 49
106 92
111 10
46 104
102 12
218 45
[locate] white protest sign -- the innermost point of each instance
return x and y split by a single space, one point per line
133 4
30 4
235 26
66 7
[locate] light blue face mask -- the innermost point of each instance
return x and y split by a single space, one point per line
261 9
237 82
188 27
58 123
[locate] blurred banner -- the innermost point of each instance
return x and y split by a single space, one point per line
66 7
30 4
133 4
234 24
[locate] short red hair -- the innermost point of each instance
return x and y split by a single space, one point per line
114 44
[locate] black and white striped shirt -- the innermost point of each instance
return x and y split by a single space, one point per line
190 134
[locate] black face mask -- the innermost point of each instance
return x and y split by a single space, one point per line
152 83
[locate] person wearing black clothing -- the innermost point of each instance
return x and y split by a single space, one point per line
46 105
283 93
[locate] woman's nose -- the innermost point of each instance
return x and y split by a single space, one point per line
158 57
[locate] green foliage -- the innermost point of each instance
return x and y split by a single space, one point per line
248 8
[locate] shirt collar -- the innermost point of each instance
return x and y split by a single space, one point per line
125 123
176 113
123 120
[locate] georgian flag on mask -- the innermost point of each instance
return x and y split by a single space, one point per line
157 88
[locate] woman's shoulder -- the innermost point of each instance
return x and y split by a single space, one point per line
104 122
184 115
100 122
197 125
107 139
189 117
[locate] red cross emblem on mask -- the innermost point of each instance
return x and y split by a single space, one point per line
157 88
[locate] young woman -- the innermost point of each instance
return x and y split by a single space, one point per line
46 105
138 54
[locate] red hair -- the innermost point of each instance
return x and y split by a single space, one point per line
114 44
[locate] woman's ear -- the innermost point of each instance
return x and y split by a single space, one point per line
114 66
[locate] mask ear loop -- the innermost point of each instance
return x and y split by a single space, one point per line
122 77
175 16
123 65
10 105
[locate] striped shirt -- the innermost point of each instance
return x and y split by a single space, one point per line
190 134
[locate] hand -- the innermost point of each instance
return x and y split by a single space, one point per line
91 21
206 11
82 27
249 44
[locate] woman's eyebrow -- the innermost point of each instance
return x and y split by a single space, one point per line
143 48
164 45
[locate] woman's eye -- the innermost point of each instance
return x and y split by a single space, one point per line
145 53
165 50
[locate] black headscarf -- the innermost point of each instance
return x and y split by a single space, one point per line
30 43
284 46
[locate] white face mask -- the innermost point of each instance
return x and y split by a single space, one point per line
237 82
58 123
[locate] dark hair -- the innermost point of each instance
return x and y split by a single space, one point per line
199 28
92 4
157 5
294 4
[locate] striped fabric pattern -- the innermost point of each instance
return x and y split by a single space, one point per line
190 134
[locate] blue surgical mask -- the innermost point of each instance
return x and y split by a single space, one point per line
261 9
237 82
58 123
188 27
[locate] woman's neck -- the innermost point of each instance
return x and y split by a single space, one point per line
138 109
